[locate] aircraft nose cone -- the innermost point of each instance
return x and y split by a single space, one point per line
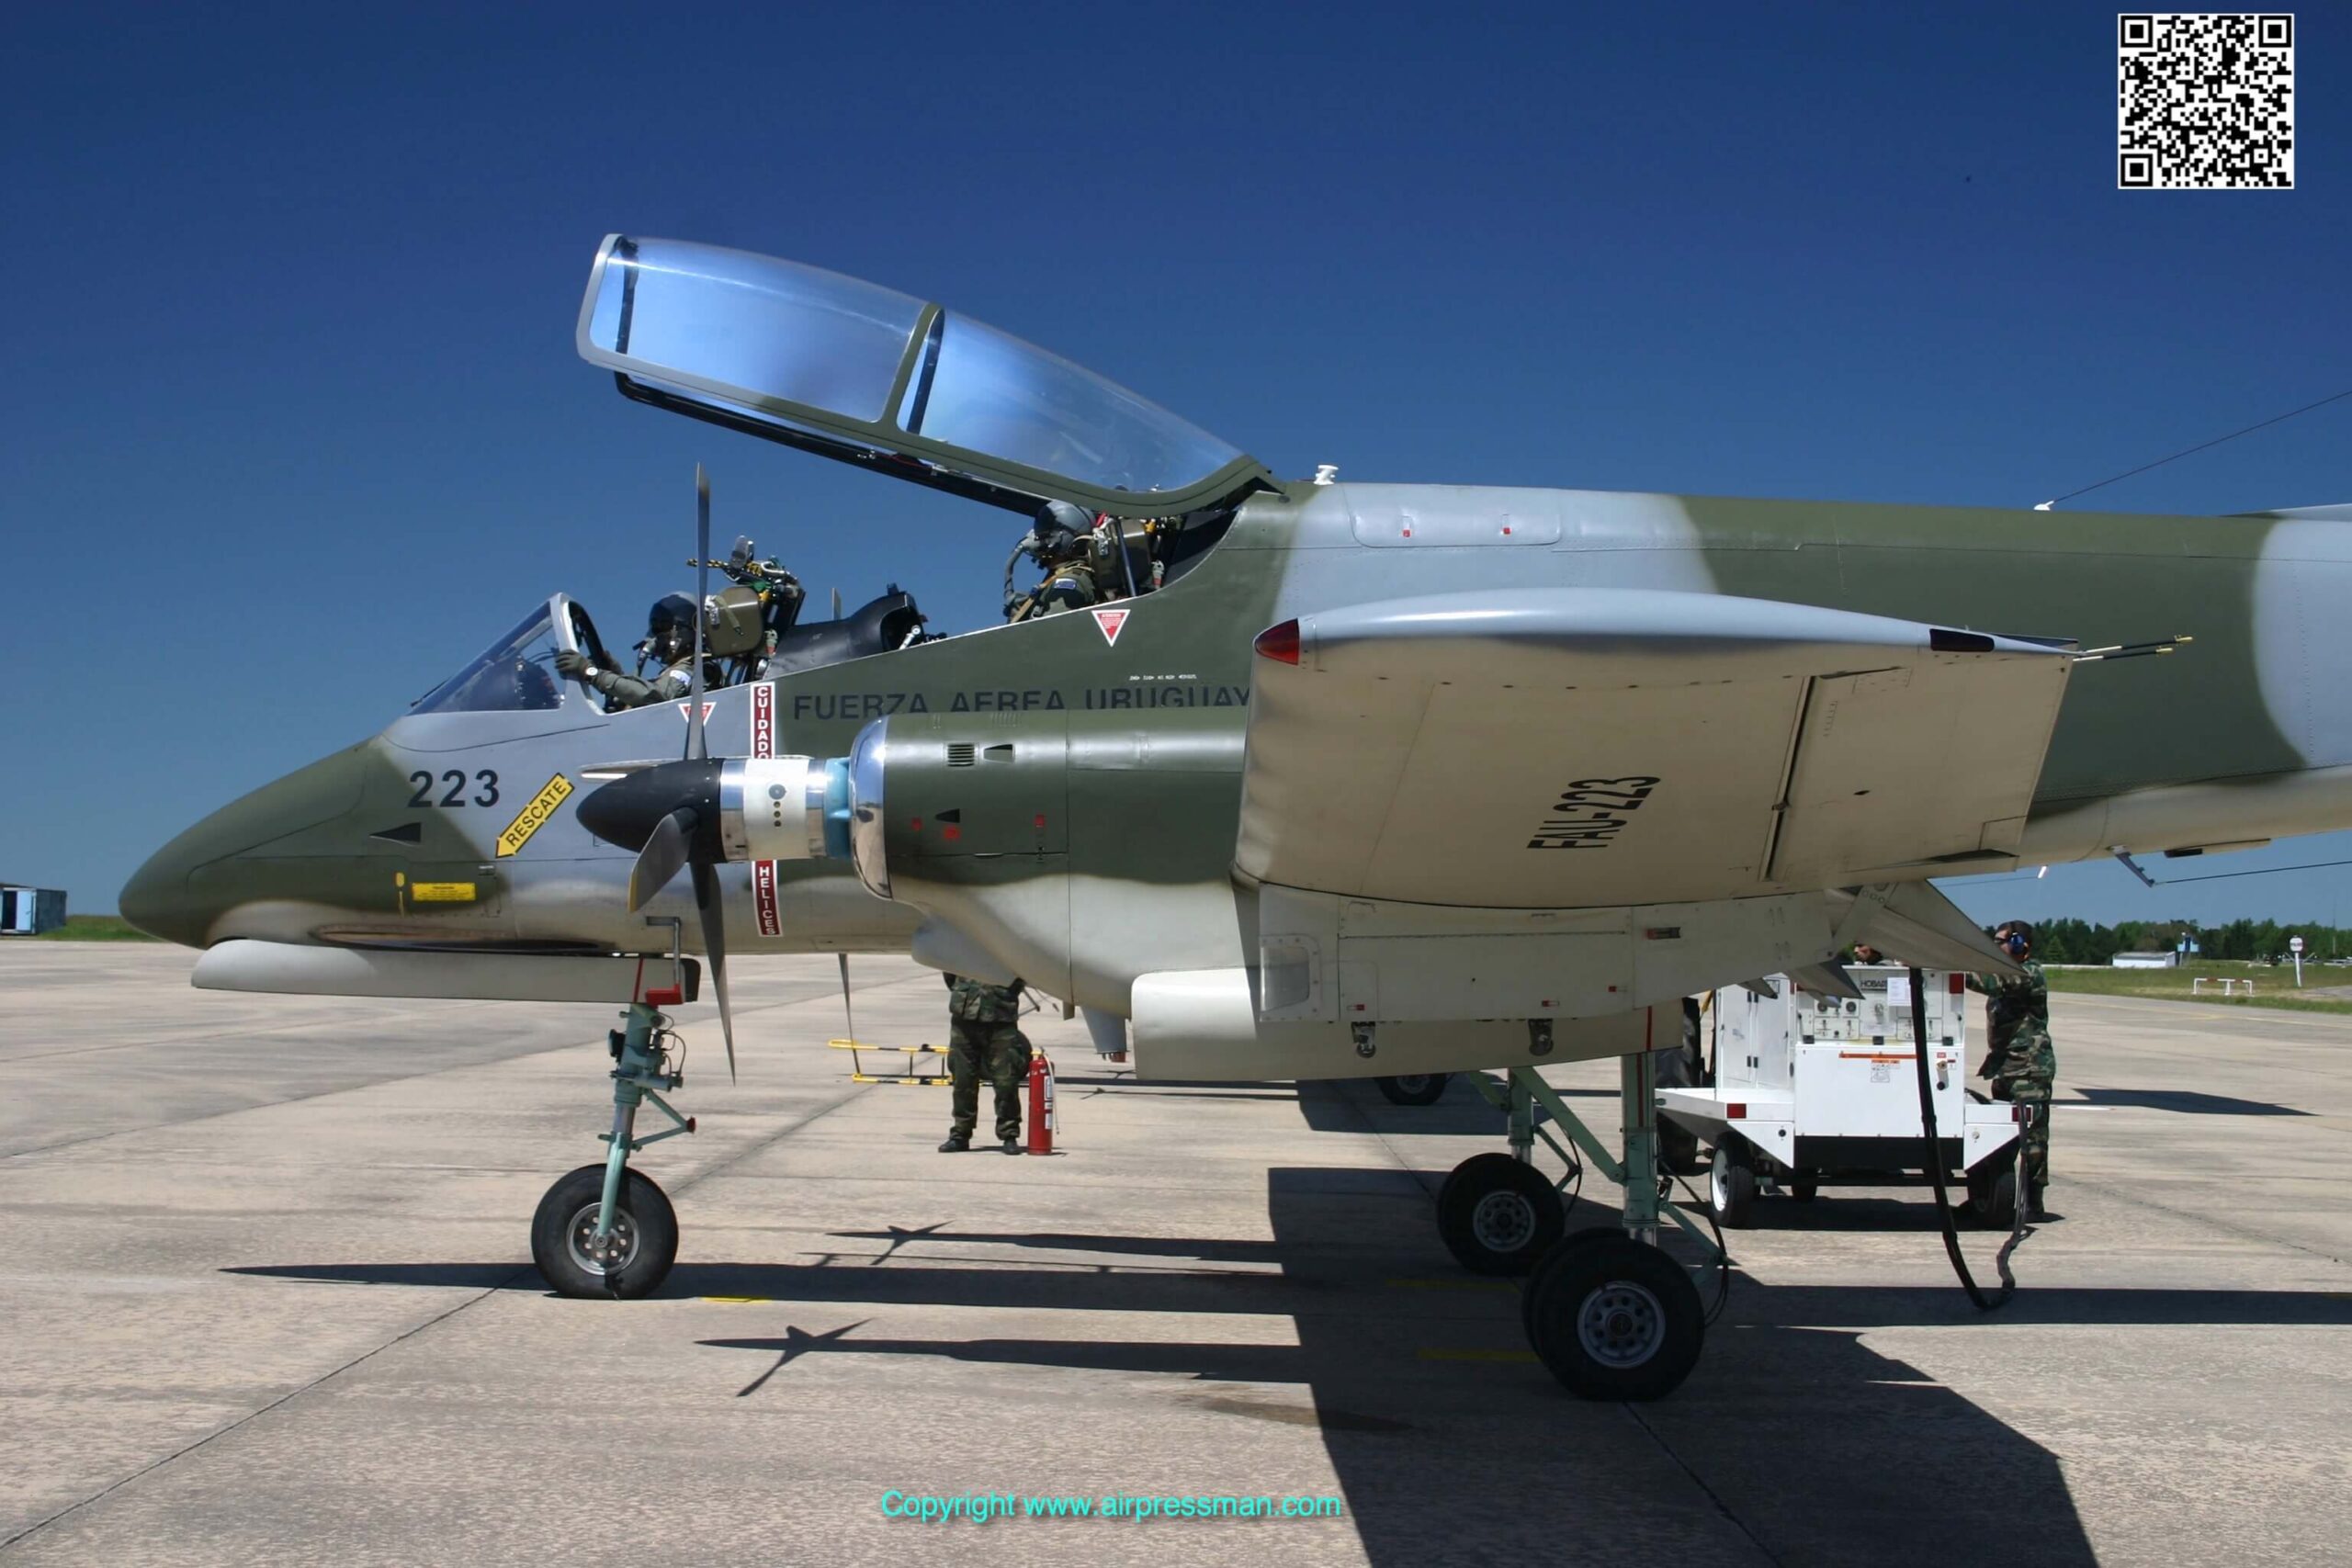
167 898
157 900
624 812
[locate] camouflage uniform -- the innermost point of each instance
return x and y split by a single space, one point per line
2022 1064
984 1039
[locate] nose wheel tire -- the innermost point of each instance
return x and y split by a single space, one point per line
632 1261
1413 1089
1498 1214
1614 1318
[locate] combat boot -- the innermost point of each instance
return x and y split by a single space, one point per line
956 1145
1013 1145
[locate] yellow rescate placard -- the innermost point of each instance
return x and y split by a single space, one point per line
535 815
441 892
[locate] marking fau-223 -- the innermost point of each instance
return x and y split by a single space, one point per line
485 788
1590 813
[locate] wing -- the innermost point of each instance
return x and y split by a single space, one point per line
1576 748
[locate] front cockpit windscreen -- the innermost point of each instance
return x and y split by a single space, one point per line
804 349
514 675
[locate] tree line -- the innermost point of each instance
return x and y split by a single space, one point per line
2070 941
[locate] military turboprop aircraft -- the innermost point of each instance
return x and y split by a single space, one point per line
1341 779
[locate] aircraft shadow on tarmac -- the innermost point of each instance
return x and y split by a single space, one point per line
2187 1101
1353 1106
1449 1442
1792 1440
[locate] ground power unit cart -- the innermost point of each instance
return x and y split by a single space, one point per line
1809 1087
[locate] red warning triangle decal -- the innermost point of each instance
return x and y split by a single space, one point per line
1111 621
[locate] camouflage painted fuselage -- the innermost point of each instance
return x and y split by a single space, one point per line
1126 865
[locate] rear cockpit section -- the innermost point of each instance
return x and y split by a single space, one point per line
879 626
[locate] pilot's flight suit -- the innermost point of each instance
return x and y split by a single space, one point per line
2023 1063
671 685
1068 586
984 1037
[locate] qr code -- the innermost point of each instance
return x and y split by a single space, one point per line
2205 101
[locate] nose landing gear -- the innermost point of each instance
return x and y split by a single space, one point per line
606 1230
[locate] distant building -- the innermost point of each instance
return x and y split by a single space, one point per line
2145 959
28 911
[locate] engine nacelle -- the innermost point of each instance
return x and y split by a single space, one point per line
1069 845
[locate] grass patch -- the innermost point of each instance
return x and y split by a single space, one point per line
2272 988
95 928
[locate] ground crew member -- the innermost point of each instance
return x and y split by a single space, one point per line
2022 1065
669 641
1057 541
1865 954
984 1038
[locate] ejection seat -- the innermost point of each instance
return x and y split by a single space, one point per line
878 626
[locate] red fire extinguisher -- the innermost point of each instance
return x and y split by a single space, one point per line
1041 1103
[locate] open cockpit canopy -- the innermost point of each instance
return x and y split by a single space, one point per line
833 365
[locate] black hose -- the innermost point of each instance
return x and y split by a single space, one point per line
1935 1160
1722 1253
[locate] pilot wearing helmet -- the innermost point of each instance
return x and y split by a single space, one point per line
1058 541
669 642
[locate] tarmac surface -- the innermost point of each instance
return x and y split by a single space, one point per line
268 1298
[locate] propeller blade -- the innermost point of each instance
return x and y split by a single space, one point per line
848 1022
696 745
605 773
714 947
664 857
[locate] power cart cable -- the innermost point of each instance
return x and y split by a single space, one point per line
1935 1163
1722 1253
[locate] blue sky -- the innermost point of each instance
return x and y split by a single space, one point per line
295 424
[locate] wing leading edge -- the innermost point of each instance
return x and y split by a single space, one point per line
1577 748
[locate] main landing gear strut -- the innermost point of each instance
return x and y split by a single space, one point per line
1608 1310
606 1230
